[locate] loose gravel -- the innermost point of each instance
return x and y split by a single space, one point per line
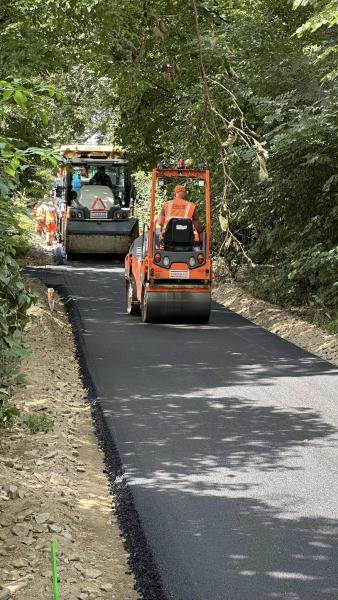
55 485
278 320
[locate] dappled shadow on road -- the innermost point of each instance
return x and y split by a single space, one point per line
218 421
208 432
243 549
98 291
202 466
215 433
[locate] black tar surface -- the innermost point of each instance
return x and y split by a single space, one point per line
221 445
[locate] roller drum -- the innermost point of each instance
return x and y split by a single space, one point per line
181 307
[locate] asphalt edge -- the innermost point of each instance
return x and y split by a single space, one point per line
141 562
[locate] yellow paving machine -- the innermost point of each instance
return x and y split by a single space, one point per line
94 192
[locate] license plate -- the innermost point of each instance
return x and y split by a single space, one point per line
179 274
98 214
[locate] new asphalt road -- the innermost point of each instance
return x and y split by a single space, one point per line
228 438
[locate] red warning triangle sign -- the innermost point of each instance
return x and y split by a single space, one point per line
98 204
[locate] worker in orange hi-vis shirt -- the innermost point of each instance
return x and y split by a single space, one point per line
50 224
179 207
40 218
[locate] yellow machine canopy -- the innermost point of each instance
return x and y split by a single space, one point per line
87 151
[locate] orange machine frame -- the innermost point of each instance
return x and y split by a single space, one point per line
153 278
148 263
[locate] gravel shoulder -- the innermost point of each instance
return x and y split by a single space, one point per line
54 485
278 320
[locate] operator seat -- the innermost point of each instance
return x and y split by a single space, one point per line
179 235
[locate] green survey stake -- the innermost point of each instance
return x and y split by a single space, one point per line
54 570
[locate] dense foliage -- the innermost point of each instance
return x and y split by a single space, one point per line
19 101
247 86
198 82
324 16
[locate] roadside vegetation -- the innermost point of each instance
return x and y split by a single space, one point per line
248 87
18 101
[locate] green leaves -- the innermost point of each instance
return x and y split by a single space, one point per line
24 107
324 17
10 171
20 98
37 423
19 101
136 73
325 14
8 413
15 301
6 94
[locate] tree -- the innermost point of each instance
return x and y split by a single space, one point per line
19 101
324 17
203 80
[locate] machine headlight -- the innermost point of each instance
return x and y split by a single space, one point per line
192 261
75 213
166 261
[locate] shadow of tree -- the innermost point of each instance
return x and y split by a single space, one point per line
241 549
226 434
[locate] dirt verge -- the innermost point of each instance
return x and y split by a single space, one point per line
53 485
277 320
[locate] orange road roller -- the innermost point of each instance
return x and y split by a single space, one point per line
168 269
